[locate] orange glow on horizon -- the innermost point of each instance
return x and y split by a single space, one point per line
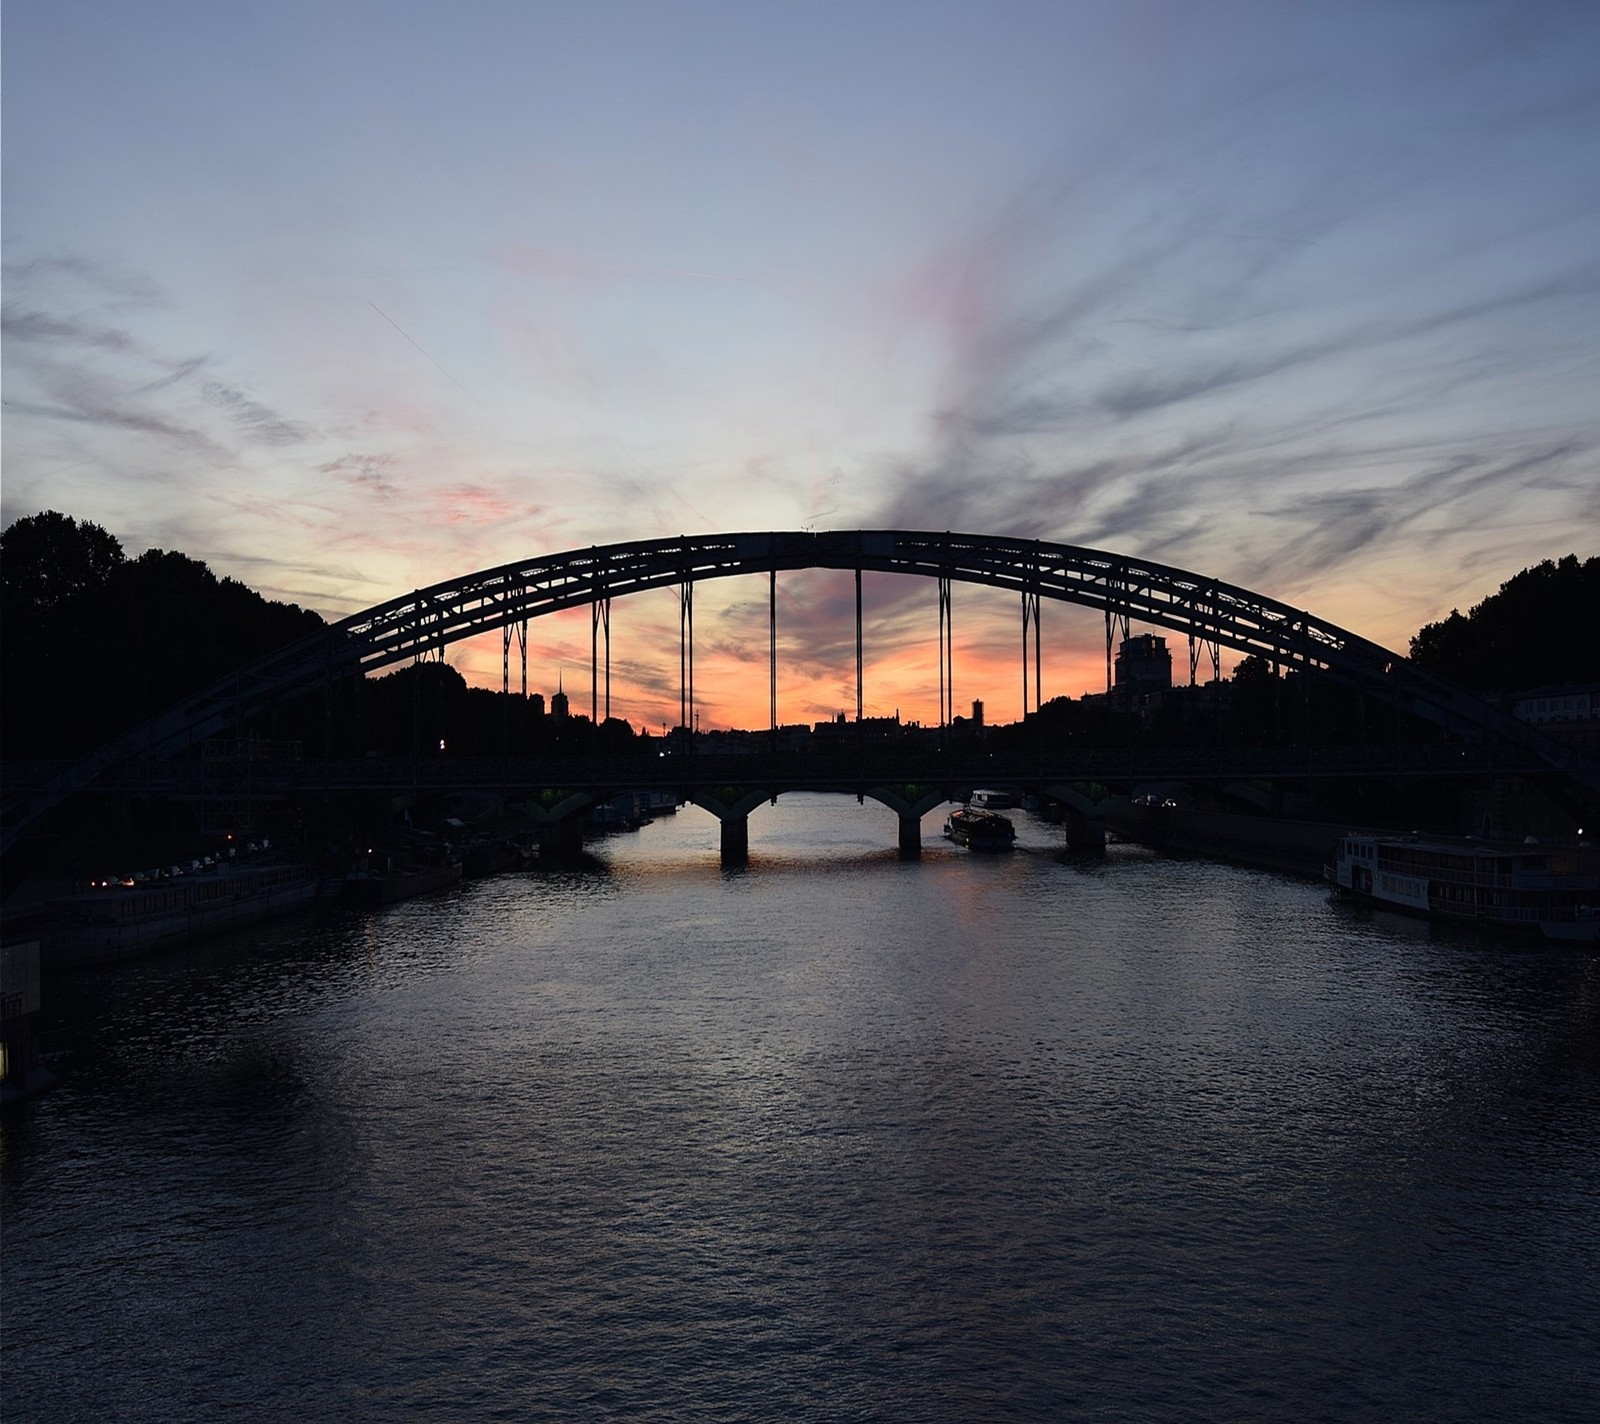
816 661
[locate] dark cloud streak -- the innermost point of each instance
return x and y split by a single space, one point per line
257 421
1186 397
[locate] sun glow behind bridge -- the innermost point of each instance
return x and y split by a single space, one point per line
816 652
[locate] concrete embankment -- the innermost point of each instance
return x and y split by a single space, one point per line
1298 847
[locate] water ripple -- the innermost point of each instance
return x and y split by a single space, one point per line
831 1138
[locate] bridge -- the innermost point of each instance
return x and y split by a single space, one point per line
557 793
1210 613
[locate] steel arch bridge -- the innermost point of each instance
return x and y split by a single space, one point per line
1212 614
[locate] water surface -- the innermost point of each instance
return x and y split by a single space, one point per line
832 1137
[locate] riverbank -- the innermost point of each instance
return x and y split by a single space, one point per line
1295 847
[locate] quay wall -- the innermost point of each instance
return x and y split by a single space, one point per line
1296 847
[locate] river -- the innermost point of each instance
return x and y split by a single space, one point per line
831 1137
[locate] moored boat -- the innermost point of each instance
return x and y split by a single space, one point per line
979 830
117 920
1531 888
384 877
488 855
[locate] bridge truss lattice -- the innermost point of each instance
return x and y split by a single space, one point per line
1212 614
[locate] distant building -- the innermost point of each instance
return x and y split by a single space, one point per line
536 703
977 712
842 731
1569 713
1143 670
558 702
831 733
1558 704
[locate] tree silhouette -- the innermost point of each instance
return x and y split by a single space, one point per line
49 559
92 643
1539 629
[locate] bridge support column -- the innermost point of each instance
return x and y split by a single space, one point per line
1086 831
911 838
735 841
563 837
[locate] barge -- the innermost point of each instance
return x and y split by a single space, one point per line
1530 888
119 920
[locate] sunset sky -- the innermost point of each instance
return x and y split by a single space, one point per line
350 297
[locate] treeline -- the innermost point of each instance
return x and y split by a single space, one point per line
1255 708
1541 628
92 643
427 710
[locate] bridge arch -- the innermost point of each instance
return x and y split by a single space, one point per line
733 806
423 623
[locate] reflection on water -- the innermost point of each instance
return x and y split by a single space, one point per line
830 1137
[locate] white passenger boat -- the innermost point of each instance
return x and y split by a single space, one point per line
1531 888
991 800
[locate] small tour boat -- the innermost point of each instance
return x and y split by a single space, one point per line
979 830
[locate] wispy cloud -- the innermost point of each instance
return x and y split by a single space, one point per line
84 401
109 281
255 420
374 473
1177 396
18 325
78 369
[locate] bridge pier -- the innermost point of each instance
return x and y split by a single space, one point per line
735 842
910 837
1086 830
563 837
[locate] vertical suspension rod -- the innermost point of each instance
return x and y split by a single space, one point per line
772 649
599 625
520 631
947 671
1115 622
686 654
1039 669
1030 617
1108 654
858 651
505 690
1027 614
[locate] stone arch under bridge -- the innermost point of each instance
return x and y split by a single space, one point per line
1212 614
